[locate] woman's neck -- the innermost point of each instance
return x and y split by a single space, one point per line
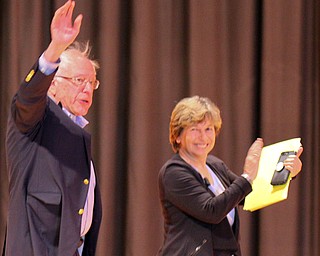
199 164
196 162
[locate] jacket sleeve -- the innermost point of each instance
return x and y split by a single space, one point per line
29 103
183 189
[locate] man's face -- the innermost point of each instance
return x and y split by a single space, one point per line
71 85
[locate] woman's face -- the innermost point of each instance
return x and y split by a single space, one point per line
196 141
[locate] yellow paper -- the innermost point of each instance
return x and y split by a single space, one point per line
263 193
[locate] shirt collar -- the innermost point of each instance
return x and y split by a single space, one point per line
79 120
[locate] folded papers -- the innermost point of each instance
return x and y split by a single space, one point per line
263 193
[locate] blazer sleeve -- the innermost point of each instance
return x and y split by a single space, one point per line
29 103
183 189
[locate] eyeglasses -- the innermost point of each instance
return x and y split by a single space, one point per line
80 81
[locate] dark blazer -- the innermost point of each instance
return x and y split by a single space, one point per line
195 219
48 160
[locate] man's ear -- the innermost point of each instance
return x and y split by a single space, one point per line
53 88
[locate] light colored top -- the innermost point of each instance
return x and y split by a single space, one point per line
217 188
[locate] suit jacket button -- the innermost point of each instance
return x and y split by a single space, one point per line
29 76
80 211
85 181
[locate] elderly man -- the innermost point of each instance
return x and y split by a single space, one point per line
55 205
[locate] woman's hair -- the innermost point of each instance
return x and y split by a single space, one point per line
190 111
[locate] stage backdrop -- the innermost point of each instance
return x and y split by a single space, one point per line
258 60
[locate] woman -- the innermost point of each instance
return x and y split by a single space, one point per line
199 194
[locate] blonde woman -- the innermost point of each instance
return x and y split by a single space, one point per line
198 193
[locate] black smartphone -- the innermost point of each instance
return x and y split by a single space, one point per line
281 174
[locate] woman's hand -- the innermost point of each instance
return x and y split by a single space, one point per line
293 163
252 160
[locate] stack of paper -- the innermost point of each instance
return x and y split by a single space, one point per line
263 193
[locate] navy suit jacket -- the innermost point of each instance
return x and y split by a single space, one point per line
48 158
195 219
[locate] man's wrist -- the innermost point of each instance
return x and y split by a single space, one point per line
47 67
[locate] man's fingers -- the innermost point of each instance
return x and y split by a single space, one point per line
77 22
